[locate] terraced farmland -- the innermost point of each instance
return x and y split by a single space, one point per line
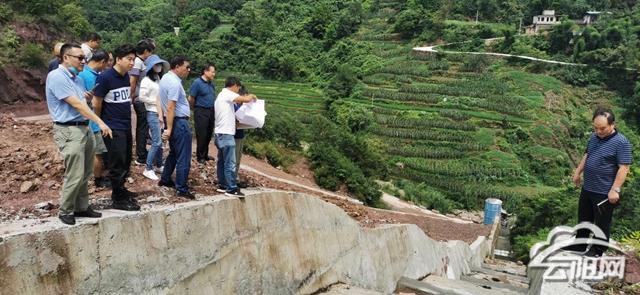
444 127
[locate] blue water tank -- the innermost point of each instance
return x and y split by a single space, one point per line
492 208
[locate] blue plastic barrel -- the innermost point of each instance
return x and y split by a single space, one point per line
491 210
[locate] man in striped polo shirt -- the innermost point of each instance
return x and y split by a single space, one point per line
605 166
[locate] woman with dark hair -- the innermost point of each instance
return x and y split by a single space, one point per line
150 95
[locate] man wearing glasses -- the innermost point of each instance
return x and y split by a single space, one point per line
66 99
175 106
112 102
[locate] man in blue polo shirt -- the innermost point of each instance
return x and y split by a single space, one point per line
176 109
112 102
605 166
98 63
66 99
201 97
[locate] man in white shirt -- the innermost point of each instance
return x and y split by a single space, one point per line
225 129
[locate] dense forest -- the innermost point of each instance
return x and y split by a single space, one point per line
494 128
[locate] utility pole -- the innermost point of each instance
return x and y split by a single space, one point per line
520 28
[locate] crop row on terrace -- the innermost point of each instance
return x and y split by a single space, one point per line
291 92
456 146
425 152
395 95
405 69
472 193
504 105
419 123
401 51
436 135
455 114
445 90
401 107
458 168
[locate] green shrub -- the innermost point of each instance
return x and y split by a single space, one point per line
31 55
476 63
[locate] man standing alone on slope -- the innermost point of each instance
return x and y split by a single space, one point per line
176 109
112 102
66 99
605 165
201 97
225 129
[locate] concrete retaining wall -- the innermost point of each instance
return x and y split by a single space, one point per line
272 243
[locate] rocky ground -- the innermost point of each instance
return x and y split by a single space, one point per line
31 175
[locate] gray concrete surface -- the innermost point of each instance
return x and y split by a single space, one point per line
271 243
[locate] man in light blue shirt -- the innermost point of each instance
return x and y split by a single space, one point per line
175 106
66 99
98 63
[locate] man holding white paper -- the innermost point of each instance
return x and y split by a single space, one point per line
225 129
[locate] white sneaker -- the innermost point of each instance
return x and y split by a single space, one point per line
150 174
139 163
158 169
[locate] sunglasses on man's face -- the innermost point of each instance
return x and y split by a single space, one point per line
79 57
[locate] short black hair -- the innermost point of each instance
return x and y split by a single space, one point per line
92 37
177 61
144 45
232 81
605 112
100 55
122 51
67 47
206 66
243 90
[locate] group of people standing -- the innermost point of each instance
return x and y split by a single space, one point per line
90 93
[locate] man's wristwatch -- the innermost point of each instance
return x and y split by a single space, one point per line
617 189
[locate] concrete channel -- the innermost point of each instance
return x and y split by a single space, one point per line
271 243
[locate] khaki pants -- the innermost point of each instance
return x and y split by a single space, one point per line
76 144
239 145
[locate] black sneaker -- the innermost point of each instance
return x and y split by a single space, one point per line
221 189
67 219
126 205
235 193
242 185
130 194
170 184
202 161
88 213
209 158
187 195
101 182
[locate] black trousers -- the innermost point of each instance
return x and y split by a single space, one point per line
204 121
120 150
142 131
588 212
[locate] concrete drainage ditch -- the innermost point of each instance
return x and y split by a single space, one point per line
272 243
